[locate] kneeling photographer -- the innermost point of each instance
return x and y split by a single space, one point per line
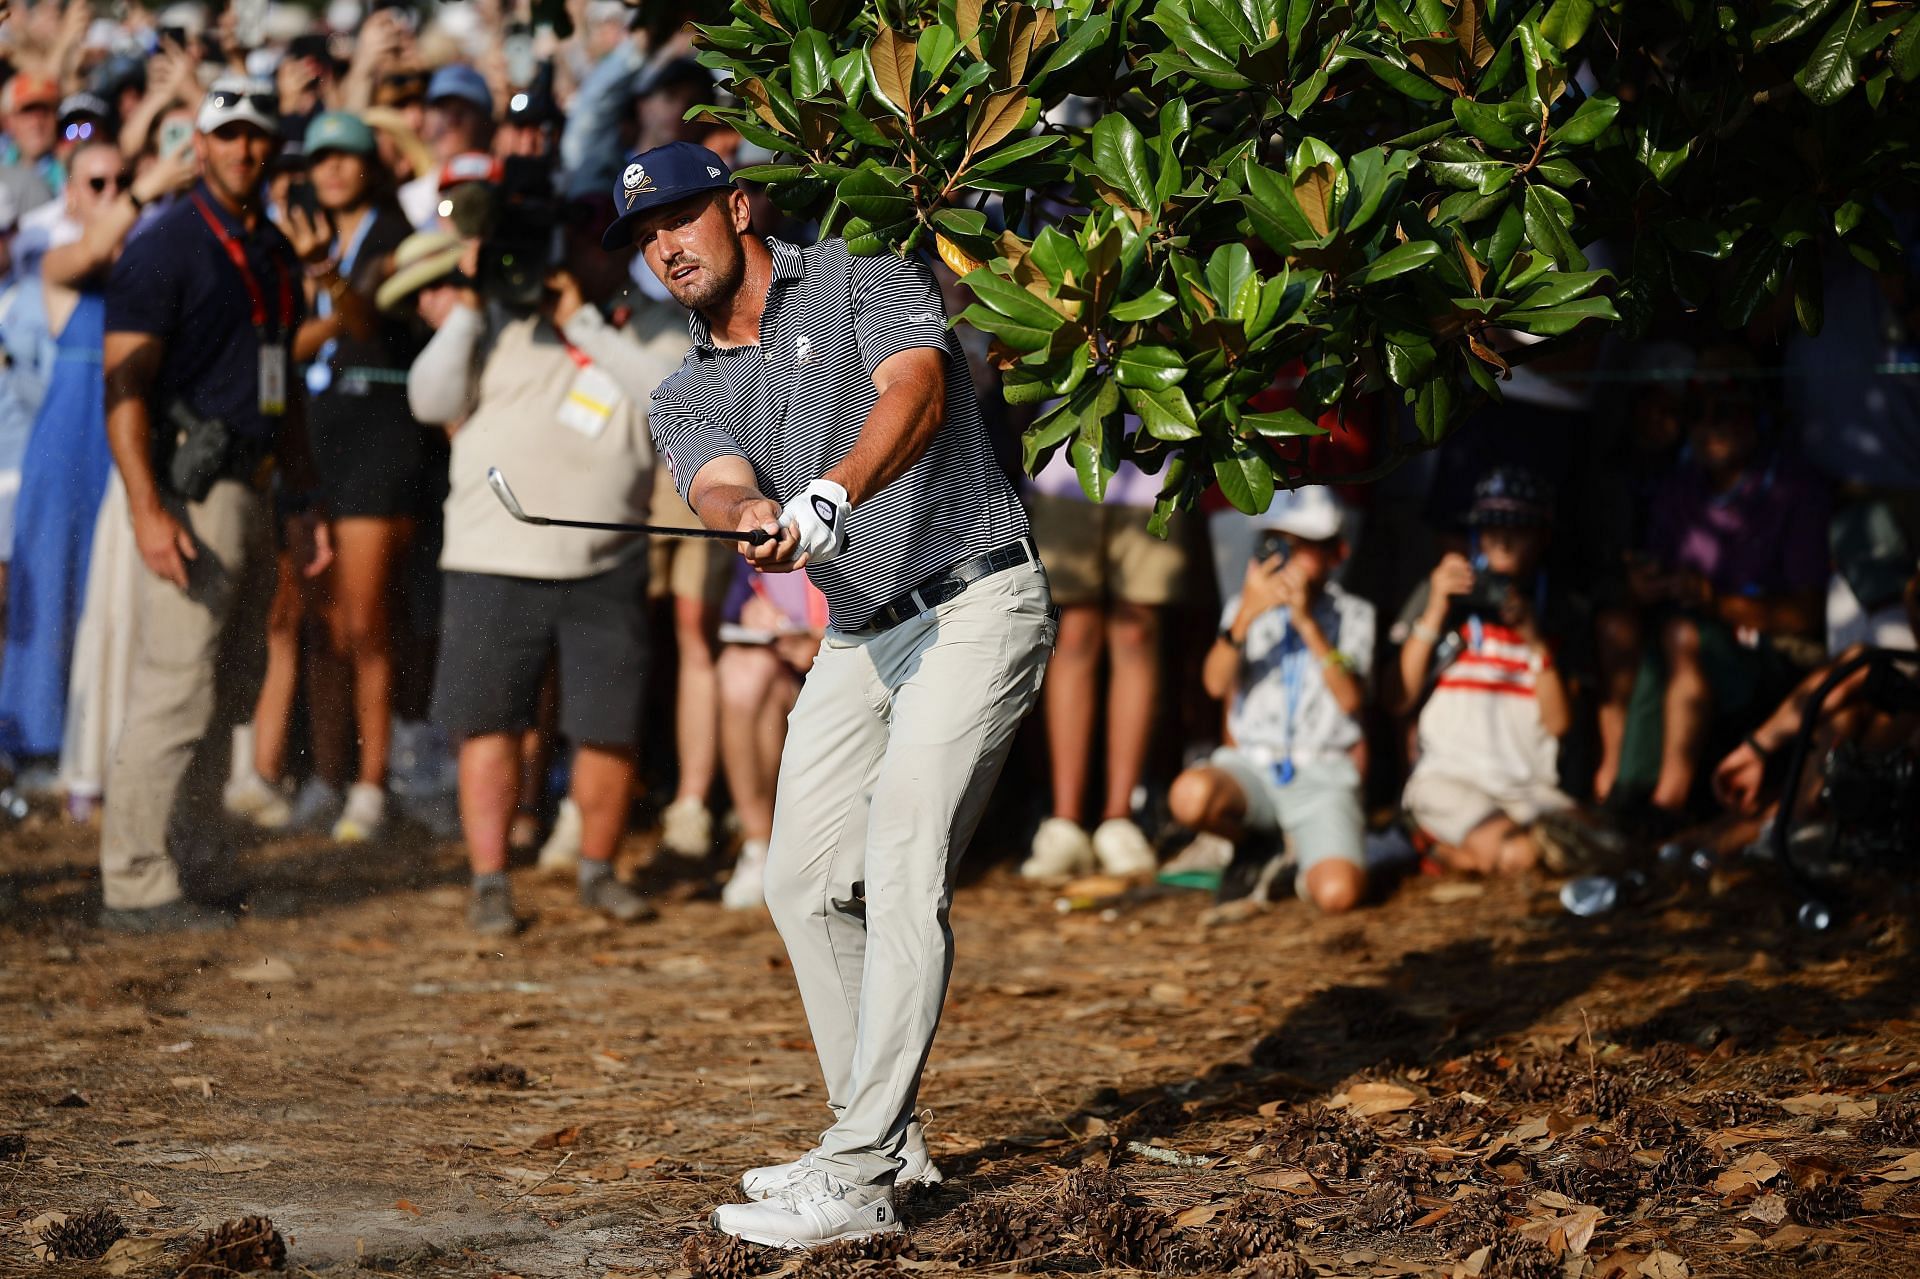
528 376
1482 639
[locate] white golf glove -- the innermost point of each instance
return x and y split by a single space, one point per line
819 517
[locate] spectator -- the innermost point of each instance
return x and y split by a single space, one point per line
553 399
199 314
774 626
1479 650
63 476
532 123
1733 591
21 382
690 579
27 111
459 120
1112 580
371 459
1291 662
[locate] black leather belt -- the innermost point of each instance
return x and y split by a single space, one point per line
940 588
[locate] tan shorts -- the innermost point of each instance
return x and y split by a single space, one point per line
686 568
1450 809
1094 553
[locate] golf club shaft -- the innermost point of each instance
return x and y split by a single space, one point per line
752 537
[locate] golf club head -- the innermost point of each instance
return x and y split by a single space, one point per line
498 483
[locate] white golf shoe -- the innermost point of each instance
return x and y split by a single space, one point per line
916 1168
1123 849
811 1208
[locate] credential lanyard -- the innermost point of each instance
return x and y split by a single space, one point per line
1293 658
320 372
255 298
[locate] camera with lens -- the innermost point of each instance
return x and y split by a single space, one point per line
1272 544
1490 594
517 221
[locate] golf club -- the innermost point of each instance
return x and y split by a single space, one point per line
498 482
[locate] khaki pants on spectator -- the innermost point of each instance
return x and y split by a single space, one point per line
196 673
892 751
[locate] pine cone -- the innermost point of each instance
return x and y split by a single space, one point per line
1279 1265
1515 1256
1542 1079
84 1236
1387 1206
494 1074
1733 1107
1328 1159
990 1231
1823 1204
1192 1253
1684 1166
716 1256
1471 1223
1649 1124
1601 1093
1670 1058
1607 1178
1086 1189
1298 1132
1442 1117
1896 1123
12 1145
843 1258
1129 1236
236 1247
1255 1226
1408 1168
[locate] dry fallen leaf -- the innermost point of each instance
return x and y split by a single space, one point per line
405 1205
1664 1265
127 1255
1295 1181
1903 1169
1747 1175
604 1172
147 1200
1199 1215
1377 1099
1831 1105
557 1138
1769 1209
195 1083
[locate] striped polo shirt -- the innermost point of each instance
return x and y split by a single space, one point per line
794 405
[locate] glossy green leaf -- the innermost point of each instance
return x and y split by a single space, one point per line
1834 68
1120 158
1165 412
1149 365
1245 479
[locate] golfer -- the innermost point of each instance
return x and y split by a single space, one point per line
825 401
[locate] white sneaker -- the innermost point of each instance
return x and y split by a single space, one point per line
1060 849
1122 849
686 828
916 1168
747 888
811 1208
561 853
253 798
315 807
1207 854
364 815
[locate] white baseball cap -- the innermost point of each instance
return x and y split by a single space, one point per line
243 100
1311 514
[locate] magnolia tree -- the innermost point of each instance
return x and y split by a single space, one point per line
1161 207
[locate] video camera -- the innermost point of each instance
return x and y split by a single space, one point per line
517 221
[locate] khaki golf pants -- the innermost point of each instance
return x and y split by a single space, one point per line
892 750
200 656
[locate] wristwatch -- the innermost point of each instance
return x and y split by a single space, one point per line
1226 634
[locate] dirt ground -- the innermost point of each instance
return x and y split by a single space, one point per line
1461 1080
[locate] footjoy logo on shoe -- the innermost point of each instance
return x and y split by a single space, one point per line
880 1214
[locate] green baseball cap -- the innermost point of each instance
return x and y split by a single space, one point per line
338 131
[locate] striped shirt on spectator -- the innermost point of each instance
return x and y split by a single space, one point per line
794 405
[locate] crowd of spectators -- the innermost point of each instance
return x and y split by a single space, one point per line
360 253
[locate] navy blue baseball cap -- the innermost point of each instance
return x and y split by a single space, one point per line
661 176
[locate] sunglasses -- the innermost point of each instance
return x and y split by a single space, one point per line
120 182
226 99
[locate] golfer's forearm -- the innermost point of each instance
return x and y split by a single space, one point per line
902 424
440 385
723 491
